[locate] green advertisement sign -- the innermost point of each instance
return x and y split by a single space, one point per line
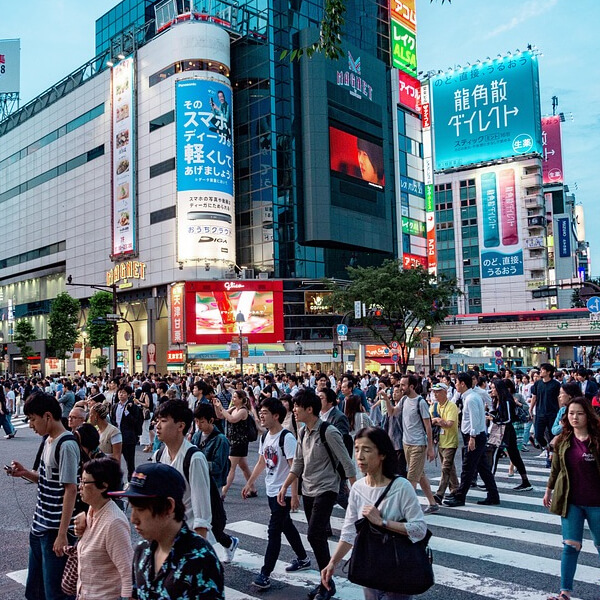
404 48
429 202
413 227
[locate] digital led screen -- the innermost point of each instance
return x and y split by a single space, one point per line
488 111
212 310
356 157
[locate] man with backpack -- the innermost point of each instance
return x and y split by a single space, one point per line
173 420
57 492
275 454
128 417
321 459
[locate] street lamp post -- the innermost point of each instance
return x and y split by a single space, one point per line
239 319
429 355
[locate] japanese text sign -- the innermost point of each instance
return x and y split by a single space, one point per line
404 48
552 166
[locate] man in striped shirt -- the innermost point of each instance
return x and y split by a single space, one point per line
57 492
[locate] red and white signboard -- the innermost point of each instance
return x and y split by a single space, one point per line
410 261
175 357
552 167
410 91
178 313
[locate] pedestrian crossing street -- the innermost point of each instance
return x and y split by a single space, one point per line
480 552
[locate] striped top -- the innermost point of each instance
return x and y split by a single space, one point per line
105 548
51 484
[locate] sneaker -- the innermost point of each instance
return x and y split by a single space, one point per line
439 499
481 486
511 474
548 463
298 564
524 449
523 487
230 552
432 508
262 581
544 454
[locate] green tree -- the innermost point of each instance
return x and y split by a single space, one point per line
62 324
400 302
576 301
23 335
100 334
101 362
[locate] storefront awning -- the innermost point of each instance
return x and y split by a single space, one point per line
382 360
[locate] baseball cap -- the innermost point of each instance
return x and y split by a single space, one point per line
154 480
436 387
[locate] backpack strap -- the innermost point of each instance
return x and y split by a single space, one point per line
65 438
337 466
187 461
383 495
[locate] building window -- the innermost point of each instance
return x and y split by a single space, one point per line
11 261
188 65
162 167
164 214
162 121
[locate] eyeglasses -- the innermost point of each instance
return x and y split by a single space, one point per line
82 482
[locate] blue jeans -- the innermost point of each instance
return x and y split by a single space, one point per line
572 529
45 569
526 432
6 424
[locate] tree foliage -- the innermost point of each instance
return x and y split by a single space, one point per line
100 334
400 303
62 324
330 32
576 301
101 362
23 335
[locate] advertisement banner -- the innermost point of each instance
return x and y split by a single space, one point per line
405 13
404 48
552 167
431 243
205 200
213 311
498 213
564 238
178 314
410 261
413 227
124 240
410 91
10 66
488 111
412 186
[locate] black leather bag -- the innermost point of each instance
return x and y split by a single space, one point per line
388 561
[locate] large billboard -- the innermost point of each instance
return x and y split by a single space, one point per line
355 157
10 67
552 167
205 200
212 308
488 111
403 35
123 159
500 245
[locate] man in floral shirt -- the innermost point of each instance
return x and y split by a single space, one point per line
174 563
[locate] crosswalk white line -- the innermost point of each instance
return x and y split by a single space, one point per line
501 485
444 576
18 576
233 594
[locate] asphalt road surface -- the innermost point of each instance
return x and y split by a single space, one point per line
480 552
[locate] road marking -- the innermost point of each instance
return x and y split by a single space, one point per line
19 576
501 485
232 594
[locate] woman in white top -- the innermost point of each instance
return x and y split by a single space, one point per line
399 511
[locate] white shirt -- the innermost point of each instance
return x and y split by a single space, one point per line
277 466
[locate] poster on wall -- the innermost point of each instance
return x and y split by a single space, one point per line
205 200
500 246
488 111
123 159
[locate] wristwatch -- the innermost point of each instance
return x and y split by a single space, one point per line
384 523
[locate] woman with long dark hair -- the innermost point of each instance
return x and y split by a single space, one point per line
573 489
504 409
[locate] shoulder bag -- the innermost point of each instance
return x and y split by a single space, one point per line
68 583
384 560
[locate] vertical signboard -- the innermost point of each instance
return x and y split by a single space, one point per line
428 175
205 200
403 35
410 91
123 159
564 238
552 167
488 111
178 313
500 247
10 67
579 223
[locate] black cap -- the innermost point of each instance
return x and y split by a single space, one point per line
154 480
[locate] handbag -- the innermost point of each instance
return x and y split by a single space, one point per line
68 583
384 560
251 429
496 435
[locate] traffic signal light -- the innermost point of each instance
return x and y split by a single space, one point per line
335 352
138 355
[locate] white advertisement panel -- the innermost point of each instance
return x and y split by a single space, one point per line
123 158
10 66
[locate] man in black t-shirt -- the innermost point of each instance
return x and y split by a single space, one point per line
544 397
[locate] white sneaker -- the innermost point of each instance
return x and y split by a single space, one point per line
544 454
230 552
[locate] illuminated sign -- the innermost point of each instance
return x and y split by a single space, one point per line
412 186
413 227
404 12
212 309
404 48
564 238
123 159
131 269
318 303
352 79
205 199
488 111
377 351
175 357
410 91
552 167
178 313
410 261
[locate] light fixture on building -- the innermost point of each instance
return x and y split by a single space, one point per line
110 63
207 267
121 56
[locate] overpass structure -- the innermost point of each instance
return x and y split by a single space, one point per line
563 332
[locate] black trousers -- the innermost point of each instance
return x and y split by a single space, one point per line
510 440
543 429
475 461
318 511
128 452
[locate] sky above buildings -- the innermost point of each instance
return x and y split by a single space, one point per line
57 37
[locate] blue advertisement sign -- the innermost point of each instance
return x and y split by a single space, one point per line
564 238
488 111
497 264
205 200
412 186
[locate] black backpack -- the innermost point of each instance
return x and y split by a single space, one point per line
219 517
284 432
322 428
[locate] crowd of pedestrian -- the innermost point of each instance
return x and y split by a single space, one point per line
360 441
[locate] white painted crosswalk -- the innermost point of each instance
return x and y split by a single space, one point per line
469 544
